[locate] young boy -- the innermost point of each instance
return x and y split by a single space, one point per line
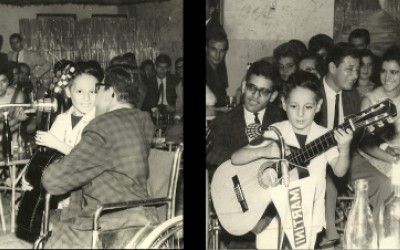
302 100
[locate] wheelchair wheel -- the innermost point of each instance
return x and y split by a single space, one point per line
167 235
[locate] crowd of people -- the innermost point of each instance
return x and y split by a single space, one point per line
306 90
104 126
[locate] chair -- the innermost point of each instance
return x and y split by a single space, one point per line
164 169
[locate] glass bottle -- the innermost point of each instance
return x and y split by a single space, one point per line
6 139
360 231
389 216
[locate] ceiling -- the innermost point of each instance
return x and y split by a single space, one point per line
99 2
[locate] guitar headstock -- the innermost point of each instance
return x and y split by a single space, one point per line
378 114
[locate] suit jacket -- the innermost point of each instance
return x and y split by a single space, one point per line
228 133
3 61
351 102
351 105
151 99
35 61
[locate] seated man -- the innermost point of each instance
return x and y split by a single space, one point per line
109 164
228 131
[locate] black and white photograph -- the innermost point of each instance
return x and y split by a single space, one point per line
302 128
91 110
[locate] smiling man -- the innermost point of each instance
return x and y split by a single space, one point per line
341 99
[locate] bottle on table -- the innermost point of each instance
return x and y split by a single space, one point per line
360 231
6 138
389 217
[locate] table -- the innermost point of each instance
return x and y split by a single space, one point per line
18 160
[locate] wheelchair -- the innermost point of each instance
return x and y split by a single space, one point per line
164 169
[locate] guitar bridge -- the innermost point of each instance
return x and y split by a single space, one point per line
239 193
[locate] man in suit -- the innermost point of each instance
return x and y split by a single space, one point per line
38 65
228 130
161 94
340 99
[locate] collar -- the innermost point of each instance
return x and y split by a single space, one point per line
328 90
260 113
161 80
90 115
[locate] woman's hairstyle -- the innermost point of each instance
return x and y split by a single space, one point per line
305 80
127 83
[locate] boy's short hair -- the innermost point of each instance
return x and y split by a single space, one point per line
339 51
265 69
305 80
360 33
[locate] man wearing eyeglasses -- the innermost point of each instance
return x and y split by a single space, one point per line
228 130
109 164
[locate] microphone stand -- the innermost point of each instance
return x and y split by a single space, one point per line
285 177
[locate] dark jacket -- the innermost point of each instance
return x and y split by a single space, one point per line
151 98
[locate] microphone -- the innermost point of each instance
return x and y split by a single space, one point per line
44 105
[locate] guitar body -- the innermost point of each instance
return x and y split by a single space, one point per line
30 211
233 217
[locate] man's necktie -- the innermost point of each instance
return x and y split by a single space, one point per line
256 120
336 119
161 92
17 57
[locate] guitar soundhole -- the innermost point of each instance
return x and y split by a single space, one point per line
267 177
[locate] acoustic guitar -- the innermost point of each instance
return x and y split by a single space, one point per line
31 206
240 194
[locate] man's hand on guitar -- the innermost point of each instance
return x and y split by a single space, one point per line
343 140
25 185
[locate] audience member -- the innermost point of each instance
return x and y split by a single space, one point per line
24 82
38 65
285 59
320 44
130 57
148 68
161 93
179 68
343 66
384 147
101 165
313 63
299 46
359 38
217 45
3 56
368 65
228 130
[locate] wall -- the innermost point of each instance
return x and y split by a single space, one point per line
167 15
254 29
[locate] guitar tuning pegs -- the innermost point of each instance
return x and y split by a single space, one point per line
371 129
390 119
380 124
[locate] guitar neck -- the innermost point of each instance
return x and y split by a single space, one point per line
303 156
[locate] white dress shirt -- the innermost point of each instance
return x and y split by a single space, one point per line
330 99
249 116
164 80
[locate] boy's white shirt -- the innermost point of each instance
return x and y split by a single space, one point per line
62 129
317 169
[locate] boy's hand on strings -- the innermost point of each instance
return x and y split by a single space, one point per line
47 139
343 140
274 150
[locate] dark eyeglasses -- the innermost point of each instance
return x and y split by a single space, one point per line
262 91
98 85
